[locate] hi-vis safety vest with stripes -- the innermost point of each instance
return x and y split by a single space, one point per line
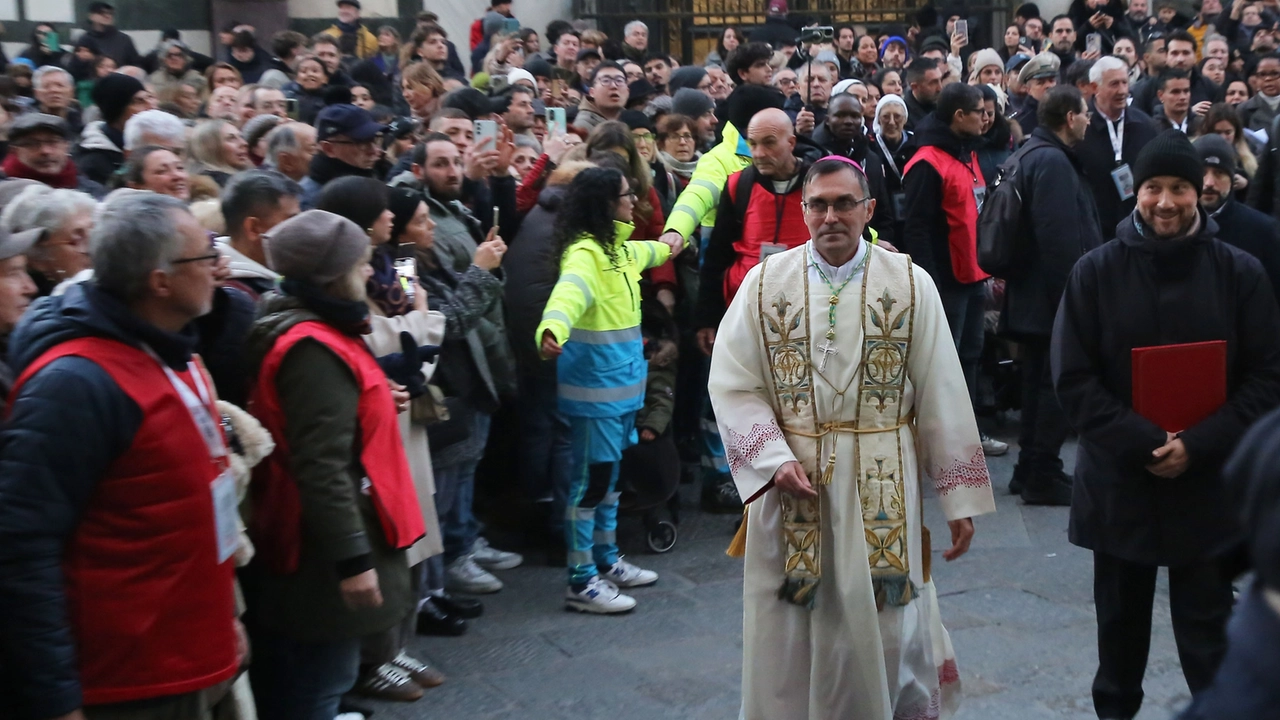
594 313
698 202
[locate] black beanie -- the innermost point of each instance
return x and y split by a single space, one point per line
403 203
747 100
1170 154
113 93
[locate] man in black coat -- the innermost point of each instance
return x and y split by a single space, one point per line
1147 496
842 133
1063 224
1116 134
924 81
1238 225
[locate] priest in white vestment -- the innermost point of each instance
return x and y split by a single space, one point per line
838 392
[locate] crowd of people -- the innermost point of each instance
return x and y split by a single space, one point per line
390 294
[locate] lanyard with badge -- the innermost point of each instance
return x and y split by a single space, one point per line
900 197
1122 176
225 504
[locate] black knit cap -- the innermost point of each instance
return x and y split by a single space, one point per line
113 93
403 203
749 99
1170 154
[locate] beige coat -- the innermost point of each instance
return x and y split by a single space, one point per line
427 329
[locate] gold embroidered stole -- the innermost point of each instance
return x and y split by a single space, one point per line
880 379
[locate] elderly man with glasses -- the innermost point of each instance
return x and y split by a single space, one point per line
349 141
38 150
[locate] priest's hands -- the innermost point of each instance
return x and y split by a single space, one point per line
961 536
791 480
1170 460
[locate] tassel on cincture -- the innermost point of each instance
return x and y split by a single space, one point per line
738 547
830 469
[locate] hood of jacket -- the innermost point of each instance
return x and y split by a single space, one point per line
406 179
242 266
277 313
85 311
95 137
932 131
551 198
1046 135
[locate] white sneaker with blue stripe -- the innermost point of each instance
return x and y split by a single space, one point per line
625 575
598 597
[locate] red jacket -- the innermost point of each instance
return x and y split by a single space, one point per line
277 521
959 181
151 608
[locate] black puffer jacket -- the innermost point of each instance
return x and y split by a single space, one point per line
70 422
532 267
1064 226
1134 292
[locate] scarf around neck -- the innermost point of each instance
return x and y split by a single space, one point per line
67 179
683 169
383 287
348 316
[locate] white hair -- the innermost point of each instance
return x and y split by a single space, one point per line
37 77
156 124
1104 65
634 24
40 206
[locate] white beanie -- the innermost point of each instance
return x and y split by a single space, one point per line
985 58
889 99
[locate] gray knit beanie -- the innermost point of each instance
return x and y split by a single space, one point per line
317 247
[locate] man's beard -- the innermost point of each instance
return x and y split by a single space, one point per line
447 193
1212 201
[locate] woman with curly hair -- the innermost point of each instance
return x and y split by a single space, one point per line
601 372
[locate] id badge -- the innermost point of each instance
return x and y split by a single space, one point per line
980 196
899 206
1123 178
767 249
226 512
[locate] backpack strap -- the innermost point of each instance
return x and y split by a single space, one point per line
742 192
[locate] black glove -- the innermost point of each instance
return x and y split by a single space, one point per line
405 367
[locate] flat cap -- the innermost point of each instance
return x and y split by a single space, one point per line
32 122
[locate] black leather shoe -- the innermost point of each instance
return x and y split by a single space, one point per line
459 607
1019 479
433 620
1053 489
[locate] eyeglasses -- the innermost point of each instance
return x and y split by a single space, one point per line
376 141
37 143
683 137
630 193
611 81
842 206
213 254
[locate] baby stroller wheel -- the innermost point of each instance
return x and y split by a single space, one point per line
662 537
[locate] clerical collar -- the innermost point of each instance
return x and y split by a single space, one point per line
837 275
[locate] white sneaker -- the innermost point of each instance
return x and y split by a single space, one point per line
625 575
493 559
598 597
992 447
465 576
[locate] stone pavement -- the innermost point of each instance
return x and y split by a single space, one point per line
1018 606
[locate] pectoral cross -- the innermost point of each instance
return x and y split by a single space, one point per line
827 350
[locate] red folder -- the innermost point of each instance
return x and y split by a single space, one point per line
1177 386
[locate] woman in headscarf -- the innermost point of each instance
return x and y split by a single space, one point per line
894 145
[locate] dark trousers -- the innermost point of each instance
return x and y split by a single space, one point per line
965 308
545 450
296 680
1044 423
1200 601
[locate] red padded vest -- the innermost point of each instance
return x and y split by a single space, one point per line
150 606
769 218
276 527
961 207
